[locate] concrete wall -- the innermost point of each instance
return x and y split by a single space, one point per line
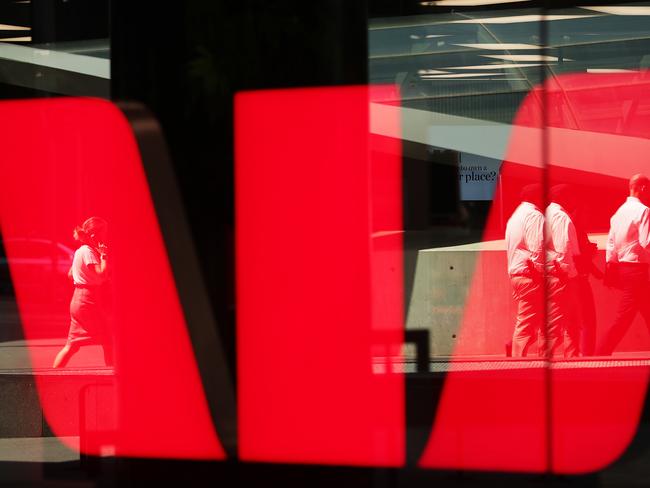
21 411
462 295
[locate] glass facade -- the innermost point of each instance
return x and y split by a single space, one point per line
380 243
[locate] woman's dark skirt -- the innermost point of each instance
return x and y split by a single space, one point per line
87 316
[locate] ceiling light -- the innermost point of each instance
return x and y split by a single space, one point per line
514 19
8 27
465 3
460 75
621 10
610 70
523 57
496 66
431 72
500 47
458 80
428 36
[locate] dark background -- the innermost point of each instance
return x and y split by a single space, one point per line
186 66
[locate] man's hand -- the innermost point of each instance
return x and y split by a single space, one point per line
597 273
534 273
611 278
562 275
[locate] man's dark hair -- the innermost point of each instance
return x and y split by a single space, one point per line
637 182
560 194
531 193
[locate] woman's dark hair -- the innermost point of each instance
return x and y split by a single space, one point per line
86 232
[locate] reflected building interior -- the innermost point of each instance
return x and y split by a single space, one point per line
51 47
463 75
465 78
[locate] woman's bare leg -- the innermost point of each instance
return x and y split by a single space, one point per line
64 355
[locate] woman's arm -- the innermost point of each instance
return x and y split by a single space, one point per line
101 268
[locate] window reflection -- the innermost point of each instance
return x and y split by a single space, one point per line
554 101
470 82
89 274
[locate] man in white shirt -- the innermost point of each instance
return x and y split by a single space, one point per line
525 253
628 256
562 251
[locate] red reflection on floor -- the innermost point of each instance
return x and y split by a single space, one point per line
319 280
569 419
64 160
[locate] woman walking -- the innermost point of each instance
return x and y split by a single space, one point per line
88 273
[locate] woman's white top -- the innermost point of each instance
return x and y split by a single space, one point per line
83 271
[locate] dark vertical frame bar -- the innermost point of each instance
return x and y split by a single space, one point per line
548 382
161 65
202 327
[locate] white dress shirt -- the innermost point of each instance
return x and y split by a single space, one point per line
629 233
524 239
561 241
